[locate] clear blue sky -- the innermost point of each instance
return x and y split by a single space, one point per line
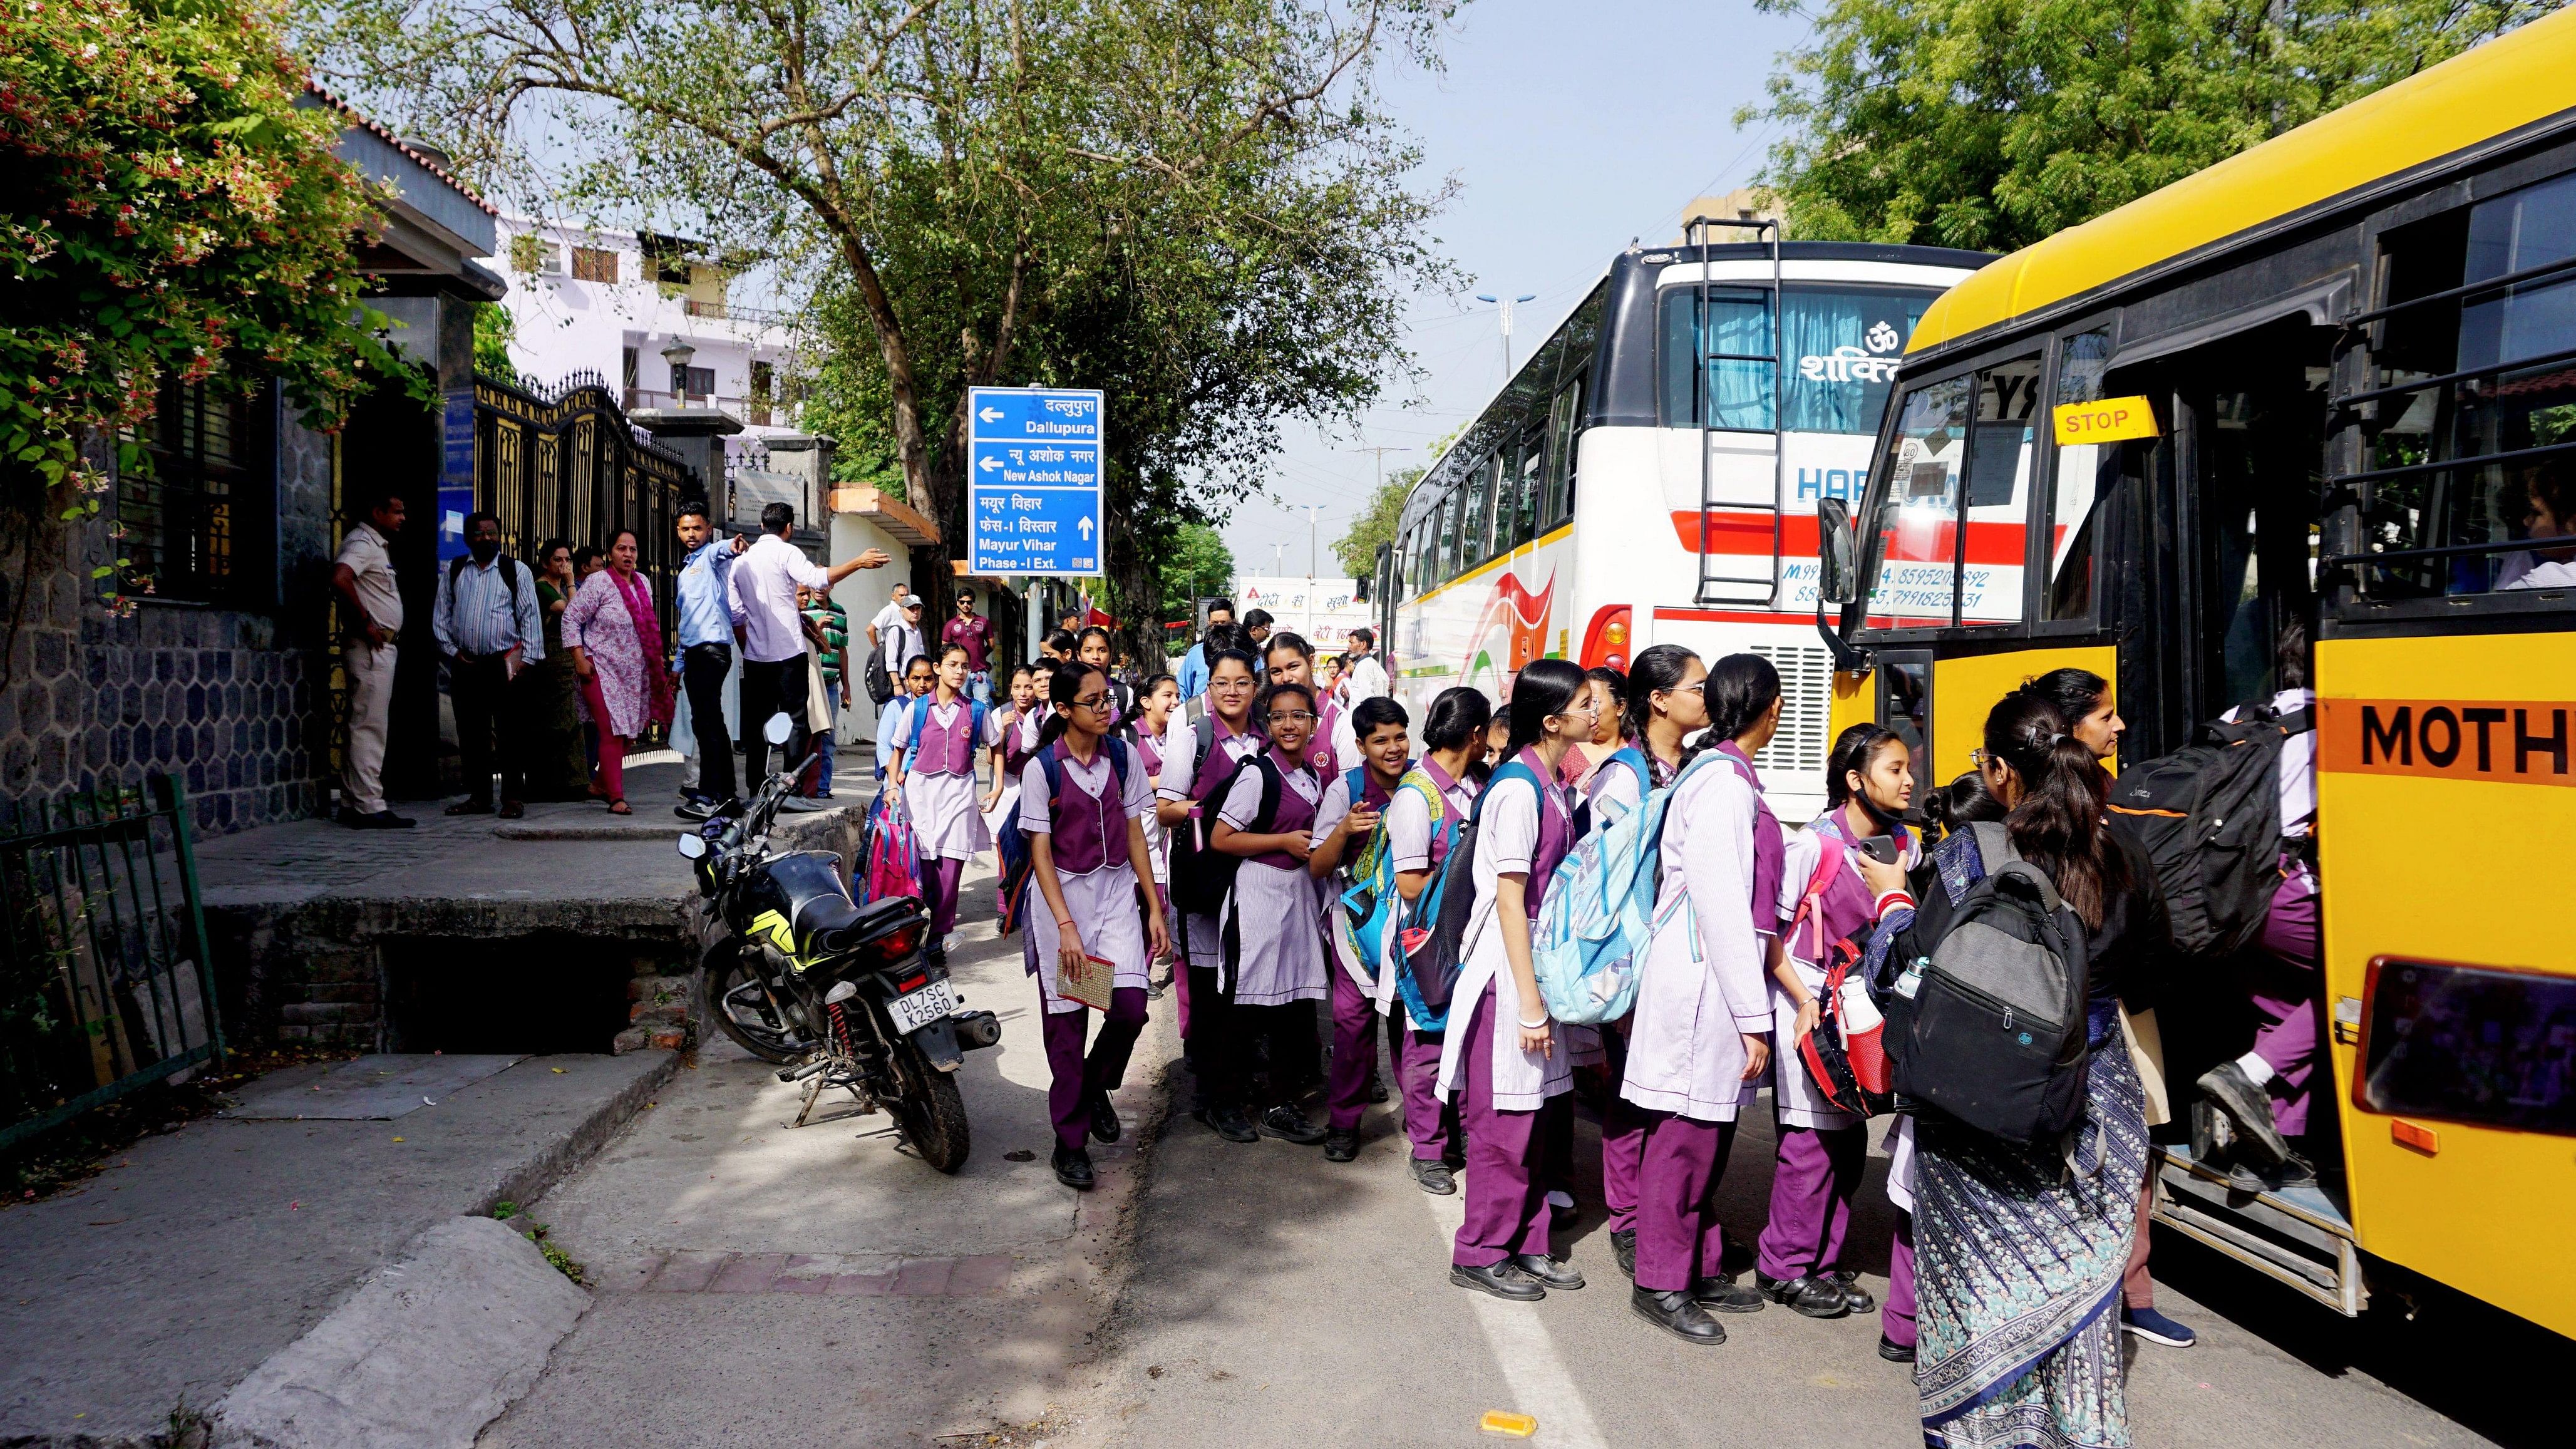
1570 128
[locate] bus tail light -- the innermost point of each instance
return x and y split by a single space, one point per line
1606 642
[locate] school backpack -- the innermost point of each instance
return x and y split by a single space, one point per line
2209 817
974 732
1433 934
1202 876
890 858
1628 756
1846 1054
1989 1029
1599 915
1361 924
1011 843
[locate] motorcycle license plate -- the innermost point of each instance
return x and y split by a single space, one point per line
916 1009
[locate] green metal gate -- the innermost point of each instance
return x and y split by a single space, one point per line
107 985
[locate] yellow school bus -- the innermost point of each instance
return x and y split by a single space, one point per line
2332 378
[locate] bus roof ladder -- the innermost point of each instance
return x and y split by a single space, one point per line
1744 588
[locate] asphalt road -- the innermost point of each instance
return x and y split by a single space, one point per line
1279 1299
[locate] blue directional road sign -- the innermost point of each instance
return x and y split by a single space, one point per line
1033 493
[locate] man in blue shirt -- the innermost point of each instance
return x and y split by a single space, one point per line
485 621
706 653
1193 674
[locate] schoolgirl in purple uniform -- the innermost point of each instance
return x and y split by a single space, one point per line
1869 783
1087 857
1344 831
1699 1038
1451 769
1288 659
1501 1059
1190 776
1665 705
1272 924
935 744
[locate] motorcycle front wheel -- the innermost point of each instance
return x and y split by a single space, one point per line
743 1007
932 1111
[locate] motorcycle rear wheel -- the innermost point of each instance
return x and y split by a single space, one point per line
932 1111
763 1036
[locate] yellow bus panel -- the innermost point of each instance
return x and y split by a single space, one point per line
2449 870
1964 689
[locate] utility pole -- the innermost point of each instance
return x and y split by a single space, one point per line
1314 515
1381 462
1505 308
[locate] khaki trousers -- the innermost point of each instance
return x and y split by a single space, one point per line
371 692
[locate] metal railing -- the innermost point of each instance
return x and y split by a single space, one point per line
106 986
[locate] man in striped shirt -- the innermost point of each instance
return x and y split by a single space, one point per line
487 626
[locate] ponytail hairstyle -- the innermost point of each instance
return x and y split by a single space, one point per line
1853 750
2058 825
1741 689
1287 641
1617 684
1085 637
2290 655
1963 802
1657 671
1457 717
1544 689
1065 685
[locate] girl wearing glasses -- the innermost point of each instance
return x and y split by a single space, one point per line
1505 1061
935 744
1699 1038
1087 857
1198 764
1273 931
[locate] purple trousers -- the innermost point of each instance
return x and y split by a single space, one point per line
1679 1241
1896 1316
1818 1171
1506 1205
1623 1137
1073 1078
1346 1091
939 885
1417 1080
2287 999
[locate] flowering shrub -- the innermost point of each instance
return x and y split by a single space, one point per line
170 208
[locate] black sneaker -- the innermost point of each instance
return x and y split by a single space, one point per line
1502 1279
1432 1176
1806 1296
1228 1123
2258 1143
1725 1295
1377 1091
1073 1168
1288 1124
1341 1146
1104 1118
1677 1315
1855 1297
1623 1246
695 809
1894 1352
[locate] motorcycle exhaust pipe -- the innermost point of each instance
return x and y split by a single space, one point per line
798 1074
977 1029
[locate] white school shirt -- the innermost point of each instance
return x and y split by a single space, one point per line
1703 987
1102 902
2298 773
1506 843
1408 822
1180 762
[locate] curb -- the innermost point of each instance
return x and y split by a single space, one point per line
552 1164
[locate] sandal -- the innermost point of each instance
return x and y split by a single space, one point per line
619 807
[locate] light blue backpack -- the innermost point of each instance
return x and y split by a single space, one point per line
1599 916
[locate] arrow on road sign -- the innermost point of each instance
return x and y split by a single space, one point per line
1085 526
991 415
989 464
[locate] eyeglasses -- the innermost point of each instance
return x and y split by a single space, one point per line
1092 701
1291 716
1981 757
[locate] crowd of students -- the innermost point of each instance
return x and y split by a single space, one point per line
1221 840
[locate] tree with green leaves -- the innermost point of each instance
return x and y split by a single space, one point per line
1195 564
1989 125
1197 206
1356 549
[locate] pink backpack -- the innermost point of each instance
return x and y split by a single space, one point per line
890 858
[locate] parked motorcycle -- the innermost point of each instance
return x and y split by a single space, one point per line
838 993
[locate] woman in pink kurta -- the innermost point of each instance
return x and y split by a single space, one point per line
616 641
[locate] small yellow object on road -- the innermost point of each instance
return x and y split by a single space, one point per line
397 1139
1510 1426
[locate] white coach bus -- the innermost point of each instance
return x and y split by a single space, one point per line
1640 481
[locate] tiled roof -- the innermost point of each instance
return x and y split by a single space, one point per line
433 167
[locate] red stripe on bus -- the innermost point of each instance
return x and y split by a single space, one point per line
1731 616
1735 532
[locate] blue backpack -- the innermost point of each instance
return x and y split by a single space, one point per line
1432 934
974 731
1011 844
1372 903
1600 915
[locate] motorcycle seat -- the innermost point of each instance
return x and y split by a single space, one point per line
832 923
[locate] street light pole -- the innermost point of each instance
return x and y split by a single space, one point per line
1314 515
1505 309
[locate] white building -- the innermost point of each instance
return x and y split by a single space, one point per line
614 303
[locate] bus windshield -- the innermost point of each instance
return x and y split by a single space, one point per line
1842 345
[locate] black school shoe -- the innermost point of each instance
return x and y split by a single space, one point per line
1894 1352
1073 1168
2259 1145
1431 1175
1503 1280
1228 1123
1623 1246
1807 1296
1288 1124
1855 1297
1675 1313
1551 1272
1341 1146
1104 1118
1724 1295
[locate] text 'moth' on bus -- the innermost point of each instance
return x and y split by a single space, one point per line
2332 378
1651 474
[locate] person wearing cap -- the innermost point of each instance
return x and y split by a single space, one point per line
899 643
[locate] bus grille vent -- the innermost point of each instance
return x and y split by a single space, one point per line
1806 711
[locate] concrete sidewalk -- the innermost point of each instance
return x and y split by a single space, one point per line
241 1249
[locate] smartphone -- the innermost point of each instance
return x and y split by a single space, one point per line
1883 849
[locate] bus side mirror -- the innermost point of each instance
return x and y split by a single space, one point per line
1835 568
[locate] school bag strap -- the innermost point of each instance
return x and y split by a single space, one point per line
509 574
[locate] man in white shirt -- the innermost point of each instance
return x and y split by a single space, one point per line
372 615
1362 676
886 619
762 591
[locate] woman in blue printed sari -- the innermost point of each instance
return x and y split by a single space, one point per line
2019 1250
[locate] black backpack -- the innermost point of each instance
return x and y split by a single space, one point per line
1202 877
1989 1029
509 573
2209 818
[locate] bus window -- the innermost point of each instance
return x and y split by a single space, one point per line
1735 349
1917 577
1524 492
2085 472
1999 453
1843 346
1565 417
1452 525
1475 538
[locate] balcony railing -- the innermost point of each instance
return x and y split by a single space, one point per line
758 411
728 312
